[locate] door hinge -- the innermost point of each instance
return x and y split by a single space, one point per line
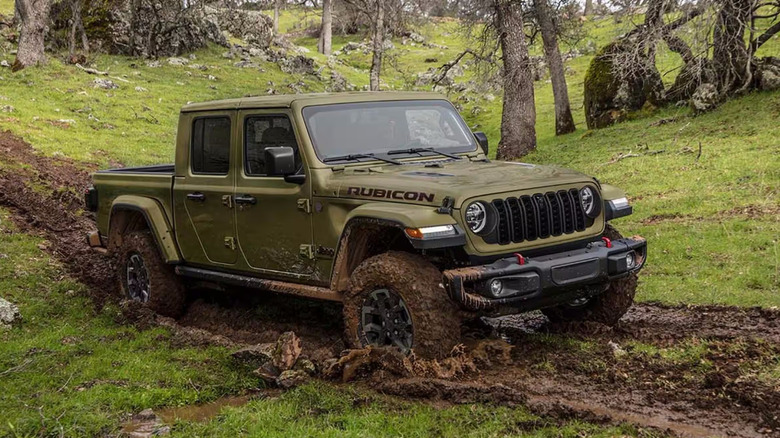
227 201
230 242
305 205
307 251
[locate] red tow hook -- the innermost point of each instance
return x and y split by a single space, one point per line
607 241
520 258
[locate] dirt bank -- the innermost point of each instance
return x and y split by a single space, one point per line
688 370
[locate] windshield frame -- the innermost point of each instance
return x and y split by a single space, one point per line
456 117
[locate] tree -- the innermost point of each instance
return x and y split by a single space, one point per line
277 6
588 8
77 27
518 119
34 16
326 29
564 122
378 45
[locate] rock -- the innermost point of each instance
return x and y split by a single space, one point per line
105 84
610 93
768 73
338 82
292 378
246 64
692 74
178 61
617 351
297 64
416 37
256 355
288 348
306 366
268 373
153 64
705 98
145 424
254 27
7 109
188 28
141 89
9 314
5 64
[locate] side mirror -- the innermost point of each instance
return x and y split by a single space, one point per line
279 161
482 140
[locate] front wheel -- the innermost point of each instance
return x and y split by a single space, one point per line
607 307
397 299
146 278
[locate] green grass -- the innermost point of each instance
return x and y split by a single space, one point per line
70 369
321 410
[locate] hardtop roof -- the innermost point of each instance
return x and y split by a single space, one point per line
287 100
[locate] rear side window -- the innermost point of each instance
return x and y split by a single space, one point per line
210 145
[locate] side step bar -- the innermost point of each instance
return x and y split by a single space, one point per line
284 287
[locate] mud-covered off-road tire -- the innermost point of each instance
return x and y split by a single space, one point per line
435 318
167 293
607 307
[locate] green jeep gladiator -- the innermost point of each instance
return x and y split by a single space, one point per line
386 202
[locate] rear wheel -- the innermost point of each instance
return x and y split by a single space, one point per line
144 276
397 299
607 307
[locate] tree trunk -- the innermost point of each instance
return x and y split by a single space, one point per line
326 30
588 7
277 5
564 122
729 54
34 16
518 119
77 27
379 45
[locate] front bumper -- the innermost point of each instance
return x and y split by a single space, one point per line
544 281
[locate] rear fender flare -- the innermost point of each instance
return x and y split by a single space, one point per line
156 221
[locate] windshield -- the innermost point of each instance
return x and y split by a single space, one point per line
376 128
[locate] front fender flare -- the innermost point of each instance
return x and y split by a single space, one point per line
156 220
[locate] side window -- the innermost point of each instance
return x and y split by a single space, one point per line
210 152
261 132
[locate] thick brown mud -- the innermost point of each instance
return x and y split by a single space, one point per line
683 370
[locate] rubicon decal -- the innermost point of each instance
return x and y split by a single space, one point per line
390 194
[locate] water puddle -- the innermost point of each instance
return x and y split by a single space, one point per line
149 423
206 411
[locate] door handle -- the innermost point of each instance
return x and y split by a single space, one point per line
197 196
245 199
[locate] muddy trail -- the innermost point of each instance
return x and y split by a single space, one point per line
681 370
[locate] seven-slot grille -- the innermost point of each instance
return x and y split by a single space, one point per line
539 216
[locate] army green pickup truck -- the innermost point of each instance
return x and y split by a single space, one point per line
386 202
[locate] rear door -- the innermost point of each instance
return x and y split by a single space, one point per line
273 220
205 222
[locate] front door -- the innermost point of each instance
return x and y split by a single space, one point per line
205 221
273 221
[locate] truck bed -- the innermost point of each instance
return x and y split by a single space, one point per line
154 182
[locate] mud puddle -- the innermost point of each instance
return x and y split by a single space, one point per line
722 389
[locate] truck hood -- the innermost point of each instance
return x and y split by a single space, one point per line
424 182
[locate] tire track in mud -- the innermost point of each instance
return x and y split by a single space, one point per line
725 397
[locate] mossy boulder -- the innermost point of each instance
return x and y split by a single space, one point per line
611 94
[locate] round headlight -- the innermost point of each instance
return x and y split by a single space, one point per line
589 199
476 216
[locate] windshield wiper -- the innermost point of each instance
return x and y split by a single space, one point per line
353 157
419 150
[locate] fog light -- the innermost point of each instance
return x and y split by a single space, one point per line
496 287
630 260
